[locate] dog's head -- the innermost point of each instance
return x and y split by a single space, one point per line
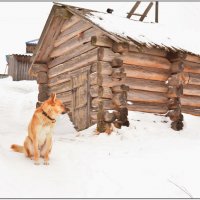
54 105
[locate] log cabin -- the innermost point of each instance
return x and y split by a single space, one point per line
102 66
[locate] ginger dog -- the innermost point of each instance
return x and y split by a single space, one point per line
38 143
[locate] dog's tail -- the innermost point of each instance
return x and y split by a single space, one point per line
17 148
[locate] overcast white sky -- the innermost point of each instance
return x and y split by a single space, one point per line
24 21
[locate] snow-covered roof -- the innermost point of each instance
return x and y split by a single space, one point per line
143 33
32 41
149 34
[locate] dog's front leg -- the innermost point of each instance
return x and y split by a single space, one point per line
36 151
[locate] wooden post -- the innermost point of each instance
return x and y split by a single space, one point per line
175 90
40 71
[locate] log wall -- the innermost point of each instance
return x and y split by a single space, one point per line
190 100
100 80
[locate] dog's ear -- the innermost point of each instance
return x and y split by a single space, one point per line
53 97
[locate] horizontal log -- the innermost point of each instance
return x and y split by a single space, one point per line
83 48
101 41
94 89
38 68
42 77
71 32
191 110
191 67
61 78
192 90
68 23
104 68
145 60
147 85
149 108
193 58
144 96
93 78
120 88
145 73
105 92
63 87
73 43
150 51
65 96
106 54
190 101
193 79
74 64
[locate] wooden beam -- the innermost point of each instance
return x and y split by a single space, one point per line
145 60
133 9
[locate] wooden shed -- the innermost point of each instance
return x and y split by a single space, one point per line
19 64
100 73
18 67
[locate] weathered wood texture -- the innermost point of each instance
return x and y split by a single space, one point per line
74 42
18 67
147 107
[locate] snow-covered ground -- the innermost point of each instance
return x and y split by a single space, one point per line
147 159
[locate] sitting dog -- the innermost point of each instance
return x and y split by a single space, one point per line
38 143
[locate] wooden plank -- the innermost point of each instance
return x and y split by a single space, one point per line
71 32
193 79
83 48
58 79
193 90
137 3
73 43
65 96
191 67
50 38
146 96
190 101
151 51
191 110
145 60
149 108
193 58
147 85
145 73
142 107
146 11
63 87
70 22
74 64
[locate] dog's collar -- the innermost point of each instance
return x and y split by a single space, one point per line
46 115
